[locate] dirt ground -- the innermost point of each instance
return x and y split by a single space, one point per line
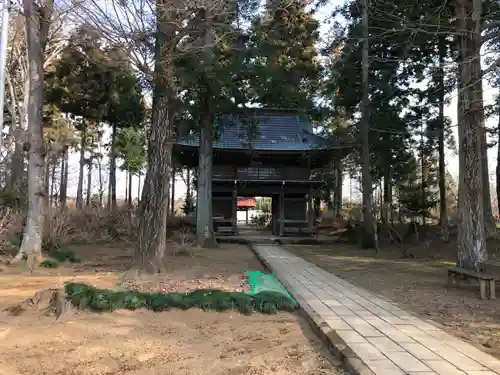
416 284
146 343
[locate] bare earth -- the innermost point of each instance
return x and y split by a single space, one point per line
419 285
143 342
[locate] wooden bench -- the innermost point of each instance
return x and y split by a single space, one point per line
455 273
291 226
491 267
223 225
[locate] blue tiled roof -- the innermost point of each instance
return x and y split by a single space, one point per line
280 132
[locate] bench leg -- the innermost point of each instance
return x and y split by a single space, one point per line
492 289
482 289
451 280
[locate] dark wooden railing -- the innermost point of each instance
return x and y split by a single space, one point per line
224 173
263 174
273 174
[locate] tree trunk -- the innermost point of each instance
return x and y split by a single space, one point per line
63 188
126 187
152 241
112 170
471 233
79 191
317 207
46 185
138 189
205 236
498 159
20 134
89 182
443 204
188 184
204 223
36 37
101 184
52 184
424 175
129 199
17 163
460 130
387 196
339 181
172 200
489 220
368 239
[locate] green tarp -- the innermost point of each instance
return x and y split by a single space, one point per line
261 282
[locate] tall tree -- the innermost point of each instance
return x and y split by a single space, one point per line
130 147
151 247
365 134
382 133
37 20
284 59
155 32
471 234
212 76
125 108
80 86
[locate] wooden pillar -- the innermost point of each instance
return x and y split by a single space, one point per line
235 210
282 210
310 209
274 214
246 216
172 201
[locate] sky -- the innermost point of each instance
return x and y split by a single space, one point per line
350 188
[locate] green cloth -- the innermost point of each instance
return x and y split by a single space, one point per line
261 282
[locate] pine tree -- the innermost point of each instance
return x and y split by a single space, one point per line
285 61
213 79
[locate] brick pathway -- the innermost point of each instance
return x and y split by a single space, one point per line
386 338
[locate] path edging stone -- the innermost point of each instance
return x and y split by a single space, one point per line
335 344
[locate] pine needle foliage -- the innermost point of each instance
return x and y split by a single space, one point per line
85 296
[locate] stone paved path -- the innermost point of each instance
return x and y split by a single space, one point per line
388 339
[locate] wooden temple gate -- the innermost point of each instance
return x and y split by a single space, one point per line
280 162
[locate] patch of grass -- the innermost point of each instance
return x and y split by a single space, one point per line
353 268
55 251
356 261
64 255
49 263
49 247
